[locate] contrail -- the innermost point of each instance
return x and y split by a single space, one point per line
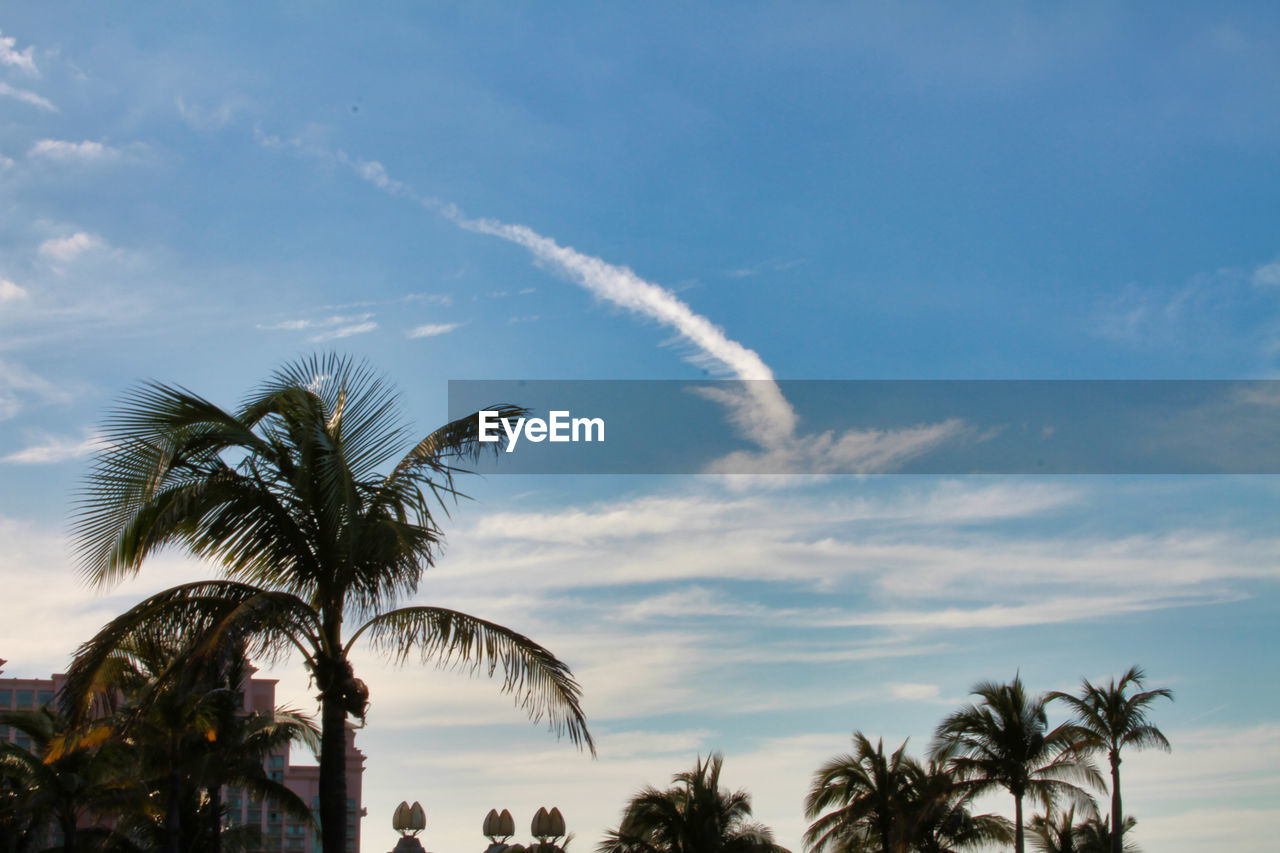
756 407
759 408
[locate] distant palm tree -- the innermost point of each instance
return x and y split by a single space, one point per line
1095 836
1054 834
1109 718
68 772
320 520
858 801
940 819
893 804
1004 741
695 816
189 737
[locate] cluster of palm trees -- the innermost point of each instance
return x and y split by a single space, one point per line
695 815
148 768
319 510
867 801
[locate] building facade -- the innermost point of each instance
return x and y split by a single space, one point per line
281 832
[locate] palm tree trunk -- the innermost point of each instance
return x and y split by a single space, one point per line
215 809
69 834
173 810
1019 841
1117 810
333 773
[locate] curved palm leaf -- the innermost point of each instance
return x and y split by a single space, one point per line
543 685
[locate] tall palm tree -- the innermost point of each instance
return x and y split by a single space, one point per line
1108 718
319 517
1004 741
695 816
859 801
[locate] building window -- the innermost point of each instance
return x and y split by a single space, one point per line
26 698
45 697
6 698
277 761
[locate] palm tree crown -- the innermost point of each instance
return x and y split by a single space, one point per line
864 796
1109 718
320 513
1004 741
892 804
694 816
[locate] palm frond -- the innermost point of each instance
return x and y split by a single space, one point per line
543 685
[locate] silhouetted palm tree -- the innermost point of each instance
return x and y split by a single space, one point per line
1095 836
859 801
695 816
319 518
940 819
189 737
68 772
1003 742
1052 833
1109 718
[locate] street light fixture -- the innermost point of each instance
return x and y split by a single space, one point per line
409 821
547 826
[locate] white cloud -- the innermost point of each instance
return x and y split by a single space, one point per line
373 172
202 117
67 249
431 330
1267 275
20 386
852 452
328 328
773 421
53 449
10 292
434 298
63 150
23 60
27 97
344 332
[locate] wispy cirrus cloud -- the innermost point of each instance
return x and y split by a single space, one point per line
333 327
431 330
52 449
26 96
344 332
23 60
10 292
211 117
66 151
64 250
757 408
20 387
1267 275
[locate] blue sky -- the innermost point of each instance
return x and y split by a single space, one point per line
199 194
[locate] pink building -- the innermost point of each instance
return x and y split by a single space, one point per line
282 833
